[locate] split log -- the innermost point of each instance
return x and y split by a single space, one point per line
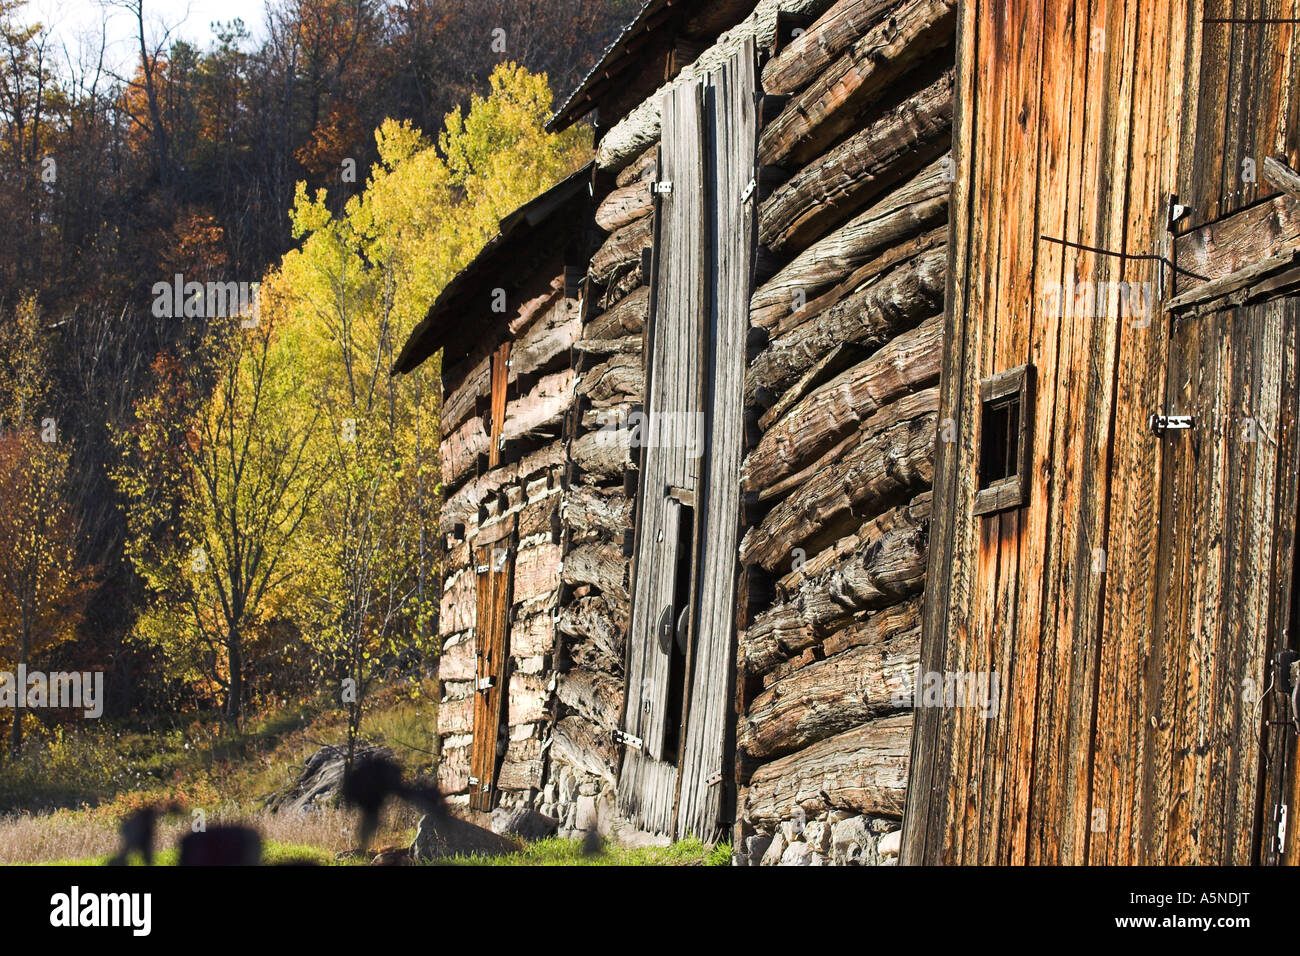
538 516
623 248
831 696
640 128
588 509
605 453
852 175
542 408
533 635
457 661
869 318
461 401
456 716
542 294
529 700
620 377
584 746
596 696
809 54
462 506
627 345
887 568
760 652
550 337
595 620
863 770
625 206
453 770
626 318
622 283
892 458
642 169
601 564
827 109
521 767
537 572
458 608
461 449
919 205
610 416
822 419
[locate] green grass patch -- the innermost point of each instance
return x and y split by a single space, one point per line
558 852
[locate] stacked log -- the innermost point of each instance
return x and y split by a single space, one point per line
841 393
517 502
598 510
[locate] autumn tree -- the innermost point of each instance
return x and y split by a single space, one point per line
216 546
41 586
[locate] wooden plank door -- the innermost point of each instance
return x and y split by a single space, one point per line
494 571
1222 580
669 478
733 121
1217 752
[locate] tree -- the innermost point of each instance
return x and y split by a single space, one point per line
348 298
41 586
216 546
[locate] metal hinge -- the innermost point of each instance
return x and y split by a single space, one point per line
715 778
628 740
473 781
662 189
1159 424
485 683
1281 828
482 569
749 190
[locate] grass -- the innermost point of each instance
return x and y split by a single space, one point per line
69 792
558 852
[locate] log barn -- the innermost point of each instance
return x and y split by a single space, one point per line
691 400
798 468
1115 487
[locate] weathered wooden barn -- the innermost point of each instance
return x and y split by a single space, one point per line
691 401
1115 494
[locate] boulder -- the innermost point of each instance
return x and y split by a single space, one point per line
522 823
443 835
321 778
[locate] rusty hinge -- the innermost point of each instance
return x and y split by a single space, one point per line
1159 424
628 740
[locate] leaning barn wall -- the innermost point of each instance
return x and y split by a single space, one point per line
841 404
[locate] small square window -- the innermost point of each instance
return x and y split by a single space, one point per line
1005 440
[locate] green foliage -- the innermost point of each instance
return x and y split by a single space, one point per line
559 852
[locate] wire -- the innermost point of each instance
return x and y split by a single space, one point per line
1123 255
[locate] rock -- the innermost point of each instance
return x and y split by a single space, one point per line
589 787
775 850
444 835
587 818
798 854
853 843
890 844
818 836
568 785
793 830
755 847
524 824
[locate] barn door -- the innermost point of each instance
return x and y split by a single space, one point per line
494 574
670 473
681 638
1216 753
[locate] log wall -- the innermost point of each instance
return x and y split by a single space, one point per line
841 410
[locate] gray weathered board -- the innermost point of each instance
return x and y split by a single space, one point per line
696 353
